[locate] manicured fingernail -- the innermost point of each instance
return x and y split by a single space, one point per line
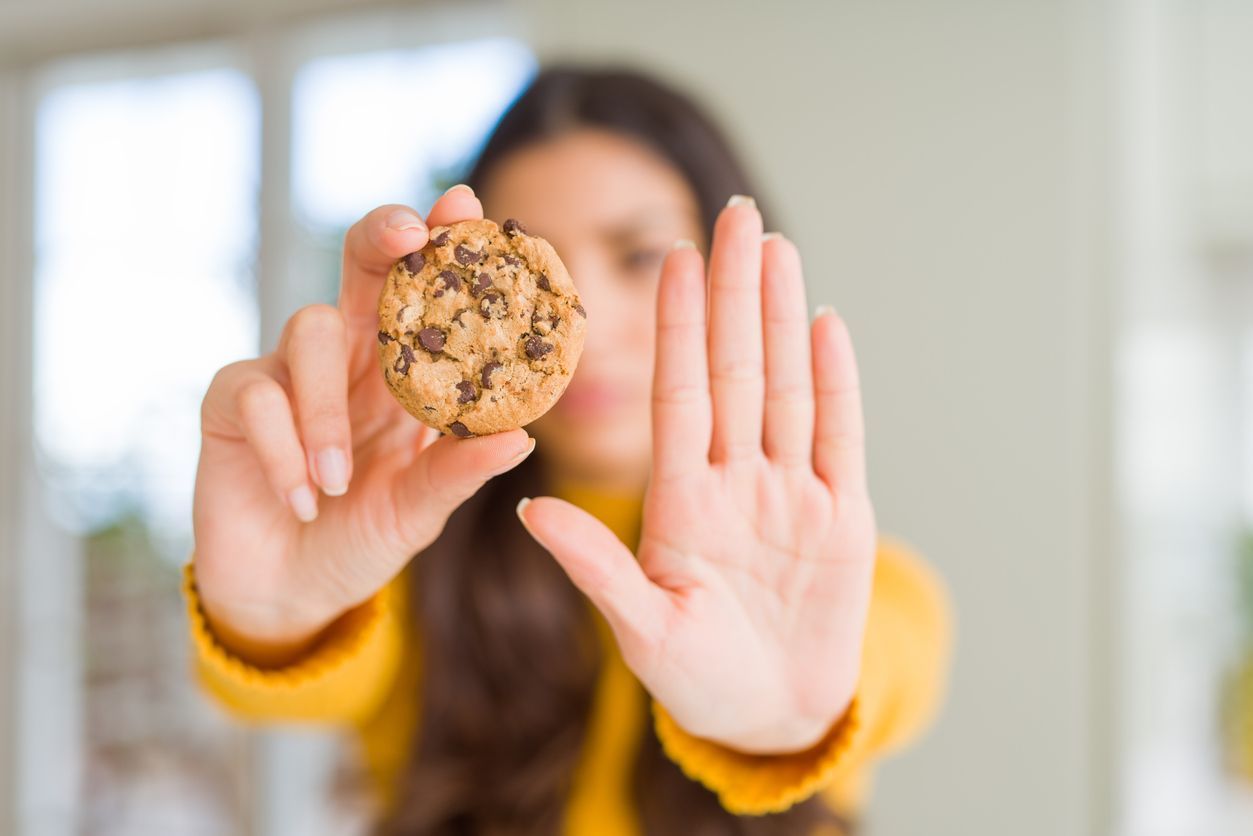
461 187
516 460
771 236
684 244
823 310
740 200
530 446
403 219
332 470
522 503
303 504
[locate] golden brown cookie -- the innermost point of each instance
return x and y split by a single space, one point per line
480 330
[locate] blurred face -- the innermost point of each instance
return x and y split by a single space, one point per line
612 208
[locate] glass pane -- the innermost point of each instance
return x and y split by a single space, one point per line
365 133
145 227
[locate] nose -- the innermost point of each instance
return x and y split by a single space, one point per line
596 294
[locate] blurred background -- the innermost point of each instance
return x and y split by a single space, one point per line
1037 218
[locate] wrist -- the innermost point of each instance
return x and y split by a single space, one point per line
788 736
261 635
260 648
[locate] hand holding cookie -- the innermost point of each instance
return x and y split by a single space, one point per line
315 487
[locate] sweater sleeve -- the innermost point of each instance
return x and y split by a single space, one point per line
904 666
343 679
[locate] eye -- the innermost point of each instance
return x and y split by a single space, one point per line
643 259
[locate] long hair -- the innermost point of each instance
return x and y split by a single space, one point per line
508 650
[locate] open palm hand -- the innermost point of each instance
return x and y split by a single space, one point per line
744 611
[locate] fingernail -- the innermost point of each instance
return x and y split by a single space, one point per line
530 446
740 200
771 236
403 219
332 470
516 460
684 244
823 310
461 187
522 503
303 504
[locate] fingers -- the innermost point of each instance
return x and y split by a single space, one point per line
789 409
600 565
316 353
264 416
681 406
447 473
384 235
456 204
735 332
839 431
371 246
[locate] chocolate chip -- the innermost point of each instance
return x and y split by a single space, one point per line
481 283
451 282
485 377
542 281
579 308
492 306
466 256
441 239
385 338
460 430
513 260
414 262
466 388
403 361
541 324
536 348
432 339
512 228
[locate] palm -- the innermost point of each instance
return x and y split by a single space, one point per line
745 612
771 589
363 524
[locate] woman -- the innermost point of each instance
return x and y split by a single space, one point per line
749 648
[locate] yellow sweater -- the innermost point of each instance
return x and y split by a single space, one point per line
364 673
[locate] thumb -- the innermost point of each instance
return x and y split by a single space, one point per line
600 565
447 473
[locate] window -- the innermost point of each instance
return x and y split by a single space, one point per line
148 180
1185 431
388 127
146 192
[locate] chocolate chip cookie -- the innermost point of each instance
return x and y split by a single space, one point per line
480 330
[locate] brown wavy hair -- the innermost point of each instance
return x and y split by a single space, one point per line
509 652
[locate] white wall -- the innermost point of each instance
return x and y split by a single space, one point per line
933 162
14 297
